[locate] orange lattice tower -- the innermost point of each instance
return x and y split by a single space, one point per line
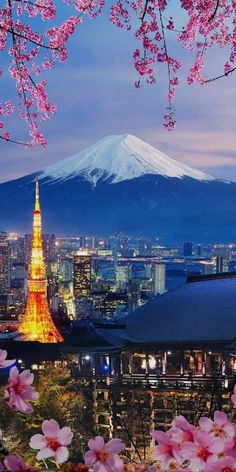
37 324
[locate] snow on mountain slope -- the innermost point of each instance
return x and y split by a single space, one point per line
120 157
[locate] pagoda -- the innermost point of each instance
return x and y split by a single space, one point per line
37 324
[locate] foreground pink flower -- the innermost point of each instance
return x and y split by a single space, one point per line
167 451
103 457
233 398
15 464
53 441
220 427
19 392
204 450
3 362
182 431
225 465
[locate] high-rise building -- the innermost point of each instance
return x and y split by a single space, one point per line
187 249
82 275
207 267
82 242
3 236
145 247
123 275
221 265
49 247
20 250
159 279
199 250
37 324
5 265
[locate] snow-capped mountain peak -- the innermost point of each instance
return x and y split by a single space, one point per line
118 158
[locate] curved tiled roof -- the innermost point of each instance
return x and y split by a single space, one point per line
199 311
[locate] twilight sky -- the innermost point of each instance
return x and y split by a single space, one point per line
95 96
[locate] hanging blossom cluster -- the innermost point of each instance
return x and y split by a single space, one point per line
30 52
208 447
209 23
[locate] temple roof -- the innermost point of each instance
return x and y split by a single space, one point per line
204 310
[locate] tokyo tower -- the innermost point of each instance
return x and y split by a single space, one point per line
37 324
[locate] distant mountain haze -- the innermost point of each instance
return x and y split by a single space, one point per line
122 184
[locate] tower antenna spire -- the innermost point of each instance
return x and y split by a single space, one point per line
37 205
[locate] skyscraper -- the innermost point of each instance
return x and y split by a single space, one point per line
159 279
187 249
49 246
207 267
20 250
37 324
3 236
5 264
82 275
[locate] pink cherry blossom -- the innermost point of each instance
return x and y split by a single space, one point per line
167 451
205 449
227 464
19 392
182 431
220 427
3 362
53 441
15 464
103 457
233 398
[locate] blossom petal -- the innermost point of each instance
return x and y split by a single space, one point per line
38 441
96 444
90 458
15 463
65 436
61 454
115 446
27 377
220 418
50 428
45 453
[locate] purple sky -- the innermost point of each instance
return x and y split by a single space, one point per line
95 96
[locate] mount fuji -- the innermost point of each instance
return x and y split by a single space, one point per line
122 184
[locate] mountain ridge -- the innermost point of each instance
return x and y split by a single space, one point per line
120 157
173 208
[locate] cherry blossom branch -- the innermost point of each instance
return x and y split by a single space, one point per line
215 11
166 51
28 39
207 81
15 142
18 65
144 10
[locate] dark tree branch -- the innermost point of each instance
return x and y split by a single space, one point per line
15 142
215 11
28 39
219 76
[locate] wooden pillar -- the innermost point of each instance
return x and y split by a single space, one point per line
164 363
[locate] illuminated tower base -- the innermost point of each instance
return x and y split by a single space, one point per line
37 324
